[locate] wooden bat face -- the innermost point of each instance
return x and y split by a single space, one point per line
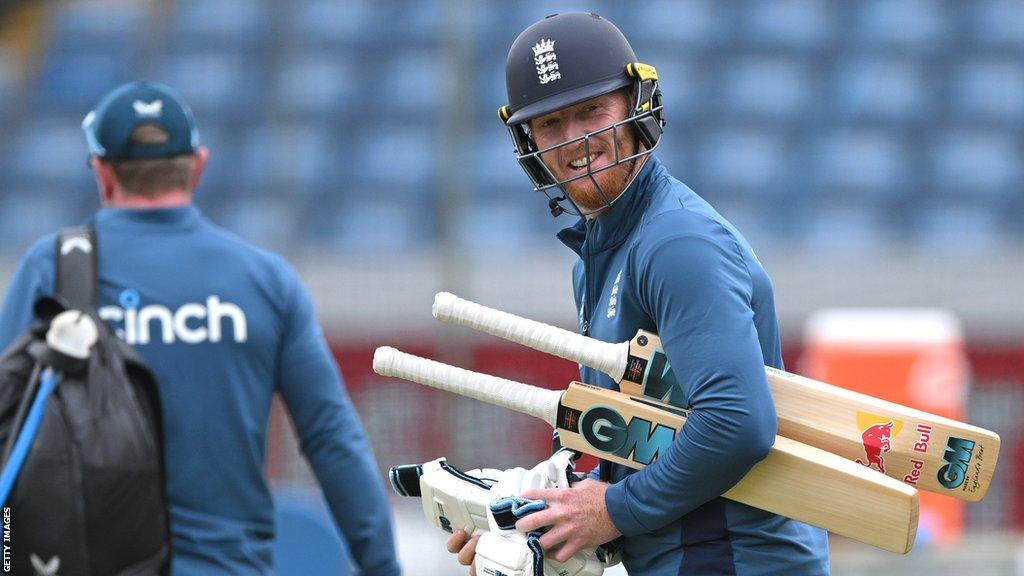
629 430
923 450
795 480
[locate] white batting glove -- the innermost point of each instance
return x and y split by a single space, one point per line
555 472
451 499
512 553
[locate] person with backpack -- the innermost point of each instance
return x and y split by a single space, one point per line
223 326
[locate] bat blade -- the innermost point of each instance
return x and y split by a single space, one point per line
794 480
924 450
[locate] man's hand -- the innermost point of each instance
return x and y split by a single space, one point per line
577 518
460 543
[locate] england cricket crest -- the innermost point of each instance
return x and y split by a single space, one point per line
613 300
545 59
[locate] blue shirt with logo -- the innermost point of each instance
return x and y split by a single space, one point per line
224 326
663 260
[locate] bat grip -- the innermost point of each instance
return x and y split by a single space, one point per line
538 402
608 358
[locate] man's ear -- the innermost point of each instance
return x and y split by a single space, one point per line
198 164
106 180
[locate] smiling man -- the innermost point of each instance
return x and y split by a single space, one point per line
581 163
585 117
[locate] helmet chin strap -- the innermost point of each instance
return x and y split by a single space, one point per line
555 207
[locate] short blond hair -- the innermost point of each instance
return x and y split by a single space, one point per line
152 176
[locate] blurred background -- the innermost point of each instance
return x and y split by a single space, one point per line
871 151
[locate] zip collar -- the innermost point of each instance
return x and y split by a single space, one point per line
612 227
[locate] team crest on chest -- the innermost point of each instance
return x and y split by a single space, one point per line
545 59
613 300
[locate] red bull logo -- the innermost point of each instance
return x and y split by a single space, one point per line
876 440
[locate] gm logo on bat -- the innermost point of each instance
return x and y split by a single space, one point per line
607 430
957 456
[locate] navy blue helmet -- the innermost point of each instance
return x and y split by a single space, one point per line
561 61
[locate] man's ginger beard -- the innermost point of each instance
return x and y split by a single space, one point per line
612 181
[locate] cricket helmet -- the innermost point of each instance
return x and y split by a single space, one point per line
561 61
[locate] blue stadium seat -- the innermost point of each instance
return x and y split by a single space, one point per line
269 221
684 86
767 88
376 222
686 23
92 47
977 164
956 227
328 22
868 162
675 150
255 157
989 90
796 24
93 24
222 170
998 23
401 158
289 157
917 25
51 149
504 222
228 84
78 79
27 213
741 161
493 163
880 88
223 23
845 227
489 92
424 24
759 224
412 83
315 82
513 17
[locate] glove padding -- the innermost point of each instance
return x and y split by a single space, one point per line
451 499
506 552
555 472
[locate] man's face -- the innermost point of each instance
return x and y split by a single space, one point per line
570 161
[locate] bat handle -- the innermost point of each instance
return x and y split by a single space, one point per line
608 358
538 402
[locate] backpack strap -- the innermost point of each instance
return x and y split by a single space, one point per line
77 263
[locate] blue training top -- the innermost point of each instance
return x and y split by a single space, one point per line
662 260
224 326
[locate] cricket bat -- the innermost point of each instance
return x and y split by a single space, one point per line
794 480
927 451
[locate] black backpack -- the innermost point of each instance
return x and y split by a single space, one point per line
90 499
